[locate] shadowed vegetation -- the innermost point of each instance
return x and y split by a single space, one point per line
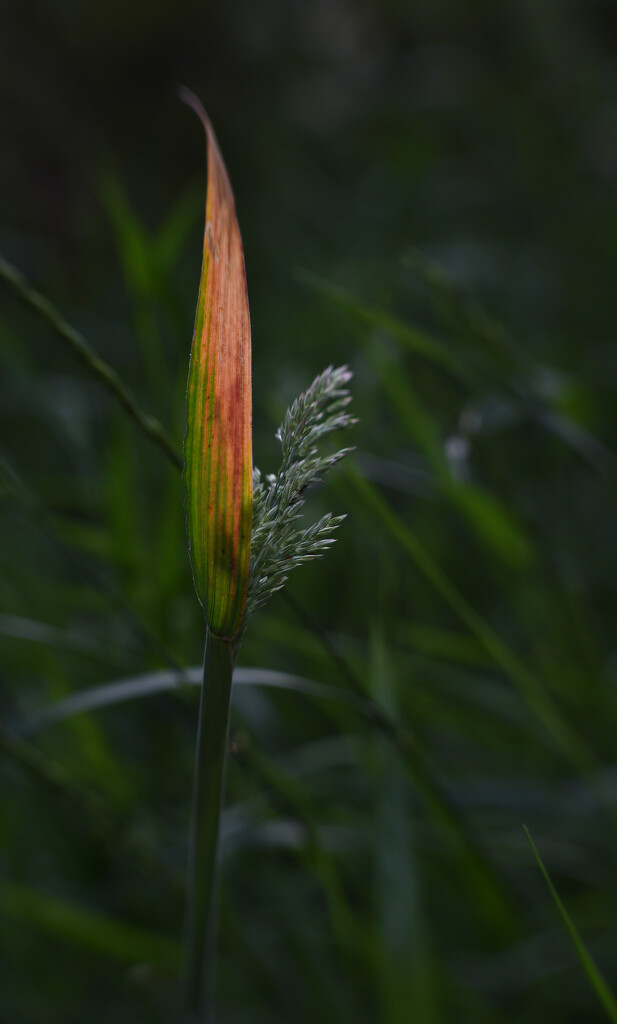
427 193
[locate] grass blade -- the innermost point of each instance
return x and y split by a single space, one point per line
50 525
412 338
523 679
87 930
460 311
152 683
486 516
588 964
135 252
86 355
17 627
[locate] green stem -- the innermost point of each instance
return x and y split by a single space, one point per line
209 781
80 348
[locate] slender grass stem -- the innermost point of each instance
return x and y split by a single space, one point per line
595 978
209 781
81 348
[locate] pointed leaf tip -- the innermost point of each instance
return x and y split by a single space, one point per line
217 449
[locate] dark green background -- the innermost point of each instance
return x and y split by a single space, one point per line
453 167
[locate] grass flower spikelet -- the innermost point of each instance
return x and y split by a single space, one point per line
279 544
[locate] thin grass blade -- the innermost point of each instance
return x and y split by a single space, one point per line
152 683
90 360
81 927
588 964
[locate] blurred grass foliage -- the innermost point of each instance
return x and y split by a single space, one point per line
427 192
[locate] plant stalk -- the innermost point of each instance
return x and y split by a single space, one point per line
87 356
208 786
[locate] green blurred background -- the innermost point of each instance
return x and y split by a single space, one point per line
426 191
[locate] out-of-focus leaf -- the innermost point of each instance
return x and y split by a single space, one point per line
67 923
406 967
152 683
413 338
18 627
525 681
90 360
486 516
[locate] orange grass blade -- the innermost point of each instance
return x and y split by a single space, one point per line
218 466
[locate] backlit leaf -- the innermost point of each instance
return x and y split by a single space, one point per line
217 448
